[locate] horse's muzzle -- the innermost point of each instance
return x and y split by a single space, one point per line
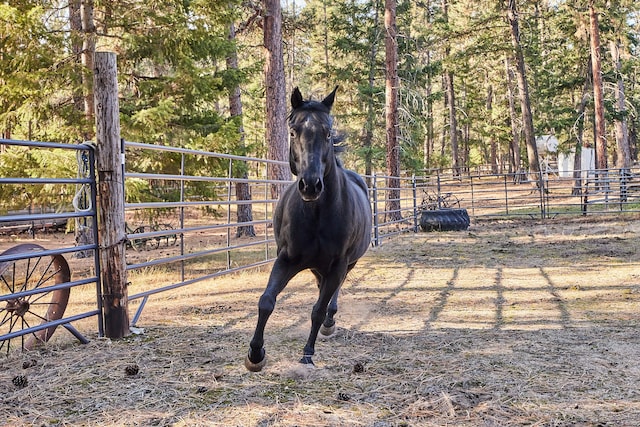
310 188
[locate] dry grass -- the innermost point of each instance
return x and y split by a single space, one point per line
508 324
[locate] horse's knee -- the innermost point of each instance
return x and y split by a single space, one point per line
266 303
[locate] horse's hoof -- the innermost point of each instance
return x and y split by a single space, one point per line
327 331
306 360
254 367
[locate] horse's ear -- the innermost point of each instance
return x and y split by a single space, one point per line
296 98
328 101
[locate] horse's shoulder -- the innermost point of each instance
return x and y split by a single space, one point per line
356 179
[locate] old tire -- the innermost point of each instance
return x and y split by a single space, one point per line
444 220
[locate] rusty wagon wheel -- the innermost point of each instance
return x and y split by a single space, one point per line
21 312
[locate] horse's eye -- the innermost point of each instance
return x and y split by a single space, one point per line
329 136
292 133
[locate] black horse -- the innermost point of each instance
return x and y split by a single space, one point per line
322 223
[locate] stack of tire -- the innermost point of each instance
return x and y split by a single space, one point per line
444 220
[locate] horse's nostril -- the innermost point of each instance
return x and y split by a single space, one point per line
310 192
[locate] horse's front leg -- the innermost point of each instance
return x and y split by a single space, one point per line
329 289
281 273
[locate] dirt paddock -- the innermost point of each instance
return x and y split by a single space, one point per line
511 323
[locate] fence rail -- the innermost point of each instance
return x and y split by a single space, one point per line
192 231
35 282
212 237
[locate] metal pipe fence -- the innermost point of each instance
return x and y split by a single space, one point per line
35 282
589 192
185 223
200 231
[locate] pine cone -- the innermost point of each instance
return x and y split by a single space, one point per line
20 381
29 363
344 397
131 370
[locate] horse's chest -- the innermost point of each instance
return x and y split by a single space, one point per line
318 239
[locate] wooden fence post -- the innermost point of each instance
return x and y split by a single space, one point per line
111 227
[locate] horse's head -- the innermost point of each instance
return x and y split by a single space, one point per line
311 150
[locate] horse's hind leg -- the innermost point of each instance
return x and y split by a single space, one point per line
329 287
328 327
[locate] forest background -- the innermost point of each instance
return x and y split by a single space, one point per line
476 80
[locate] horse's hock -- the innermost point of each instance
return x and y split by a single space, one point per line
444 220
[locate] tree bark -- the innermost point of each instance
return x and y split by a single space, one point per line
275 92
244 212
111 227
451 103
391 112
453 123
429 133
75 24
82 226
88 52
598 94
371 112
623 160
577 159
523 88
514 149
494 144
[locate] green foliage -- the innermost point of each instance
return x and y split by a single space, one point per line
174 81
22 162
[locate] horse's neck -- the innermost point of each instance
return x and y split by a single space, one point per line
335 182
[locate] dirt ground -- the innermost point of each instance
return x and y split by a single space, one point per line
511 323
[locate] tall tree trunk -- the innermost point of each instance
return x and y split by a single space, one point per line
453 122
577 159
429 133
275 92
88 52
75 24
620 120
391 112
244 212
598 95
325 40
371 113
83 48
451 103
290 47
463 134
514 149
494 145
429 139
523 88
